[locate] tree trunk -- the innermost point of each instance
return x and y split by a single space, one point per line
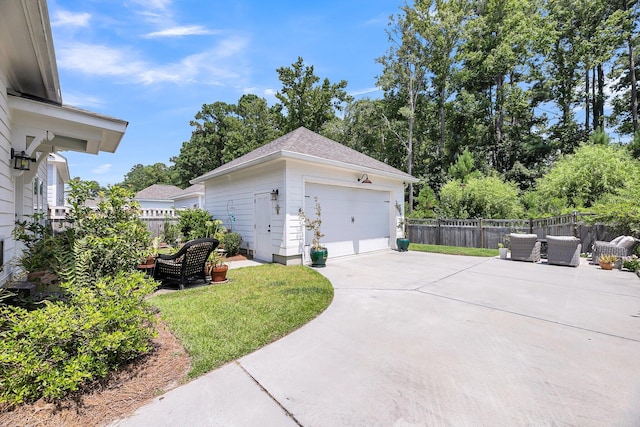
410 163
598 108
632 75
587 103
499 118
442 122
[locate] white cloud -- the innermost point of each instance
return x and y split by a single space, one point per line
187 30
102 169
81 100
99 60
70 19
215 66
270 92
365 91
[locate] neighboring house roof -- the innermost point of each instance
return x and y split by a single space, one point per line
194 190
306 145
158 192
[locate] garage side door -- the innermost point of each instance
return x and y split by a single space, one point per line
354 220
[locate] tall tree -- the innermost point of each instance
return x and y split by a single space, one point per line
625 71
404 77
141 176
305 102
223 132
440 23
495 52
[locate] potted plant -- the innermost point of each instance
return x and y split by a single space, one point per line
502 250
403 242
607 262
216 267
318 253
153 251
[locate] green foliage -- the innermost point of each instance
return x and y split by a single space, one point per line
480 197
631 263
581 179
194 223
231 243
620 210
463 167
425 204
141 176
599 137
55 350
307 103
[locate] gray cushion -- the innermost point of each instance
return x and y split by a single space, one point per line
626 242
617 240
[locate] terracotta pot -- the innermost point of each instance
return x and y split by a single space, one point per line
219 273
606 265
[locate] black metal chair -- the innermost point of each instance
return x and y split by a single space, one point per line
186 265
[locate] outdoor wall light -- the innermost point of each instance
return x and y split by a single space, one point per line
20 160
274 194
364 179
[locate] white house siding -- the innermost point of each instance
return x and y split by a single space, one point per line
55 187
232 197
6 185
187 202
155 204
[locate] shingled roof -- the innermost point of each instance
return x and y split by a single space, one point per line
158 192
305 144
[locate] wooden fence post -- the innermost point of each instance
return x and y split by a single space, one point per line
438 239
481 245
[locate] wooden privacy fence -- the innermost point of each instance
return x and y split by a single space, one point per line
487 233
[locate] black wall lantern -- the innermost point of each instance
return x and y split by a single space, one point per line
274 194
20 160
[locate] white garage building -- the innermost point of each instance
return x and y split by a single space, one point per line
260 194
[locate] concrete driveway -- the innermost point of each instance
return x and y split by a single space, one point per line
419 339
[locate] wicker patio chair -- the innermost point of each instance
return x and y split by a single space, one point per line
186 265
524 247
563 250
621 247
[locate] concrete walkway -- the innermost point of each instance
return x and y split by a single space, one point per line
419 339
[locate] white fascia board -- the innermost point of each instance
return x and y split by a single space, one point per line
306 158
102 133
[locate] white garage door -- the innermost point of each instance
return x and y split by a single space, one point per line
354 220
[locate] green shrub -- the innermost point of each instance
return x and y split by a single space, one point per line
193 223
231 243
582 179
54 350
480 197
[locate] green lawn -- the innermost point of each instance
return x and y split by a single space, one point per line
220 323
453 250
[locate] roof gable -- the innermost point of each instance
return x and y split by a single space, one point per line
158 192
309 145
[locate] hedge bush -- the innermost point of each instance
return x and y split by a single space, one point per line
231 243
56 349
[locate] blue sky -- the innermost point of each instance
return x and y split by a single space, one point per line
154 63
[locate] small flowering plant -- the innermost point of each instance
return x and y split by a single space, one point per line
631 263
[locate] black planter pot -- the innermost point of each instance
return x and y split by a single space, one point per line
318 257
403 244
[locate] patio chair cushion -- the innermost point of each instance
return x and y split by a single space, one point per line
626 242
623 248
617 240
187 264
524 247
563 250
